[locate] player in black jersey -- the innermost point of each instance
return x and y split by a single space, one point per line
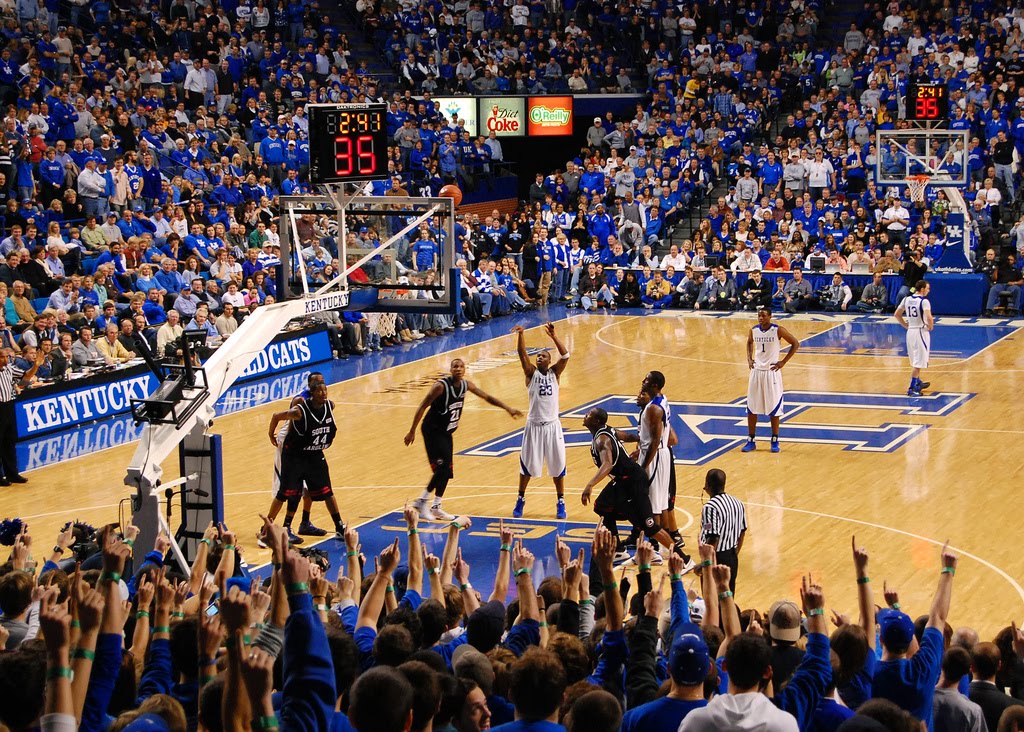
302 458
443 408
626 496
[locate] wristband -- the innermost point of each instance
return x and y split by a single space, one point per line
455 525
611 586
58 672
229 547
161 629
863 580
465 586
205 662
320 608
725 595
543 625
815 611
112 576
949 570
524 570
433 571
296 588
588 601
895 606
265 722
129 543
84 653
389 588
410 532
178 614
141 614
706 563
645 568
351 554
506 548
675 577
206 541
58 549
76 624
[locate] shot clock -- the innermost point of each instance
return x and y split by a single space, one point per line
927 102
347 142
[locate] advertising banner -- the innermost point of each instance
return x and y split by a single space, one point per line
549 116
463 107
504 116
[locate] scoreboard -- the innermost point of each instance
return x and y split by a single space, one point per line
927 103
347 142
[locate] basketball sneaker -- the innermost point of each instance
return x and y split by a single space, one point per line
775 446
422 506
292 538
656 558
260 543
923 385
306 528
440 514
751 445
560 509
914 392
517 512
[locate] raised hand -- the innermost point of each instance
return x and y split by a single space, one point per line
260 602
460 569
464 522
707 553
654 600
562 552
892 597
517 329
273 536
549 328
431 562
811 595
644 551
162 544
235 609
722 574
351 539
89 603
164 593
180 594
506 533
318 584
211 635
346 588
411 516
574 570
948 558
522 558
115 552
55 623
860 557
131 532
603 548
212 533
389 558
675 564
227 537
67 537
257 673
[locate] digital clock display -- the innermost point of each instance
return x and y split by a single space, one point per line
927 102
347 142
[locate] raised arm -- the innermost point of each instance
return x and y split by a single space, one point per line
500 591
730 614
515 413
865 600
563 352
524 359
451 547
415 580
603 553
940 605
369 610
708 590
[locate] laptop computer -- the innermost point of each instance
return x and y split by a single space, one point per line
816 263
861 268
831 268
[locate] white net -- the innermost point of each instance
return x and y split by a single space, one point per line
916 185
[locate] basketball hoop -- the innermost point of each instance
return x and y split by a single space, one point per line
916 185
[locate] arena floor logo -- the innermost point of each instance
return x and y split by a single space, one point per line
707 430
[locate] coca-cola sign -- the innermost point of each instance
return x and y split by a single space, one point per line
504 116
549 116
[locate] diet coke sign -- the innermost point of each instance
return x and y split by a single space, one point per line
504 116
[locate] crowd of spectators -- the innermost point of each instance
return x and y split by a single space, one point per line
97 638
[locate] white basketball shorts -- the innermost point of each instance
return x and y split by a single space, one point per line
764 392
919 346
543 444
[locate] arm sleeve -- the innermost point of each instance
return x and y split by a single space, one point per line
309 693
641 681
156 678
586 618
805 690
349 613
271 639
569 617
680 606
364 638
927 662
611 657
522 636
105 669
411 599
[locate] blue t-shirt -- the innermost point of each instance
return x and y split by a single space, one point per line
523 726
858 690
829 715
661 713
910 683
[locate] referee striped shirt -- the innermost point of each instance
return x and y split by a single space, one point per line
723 516
9 376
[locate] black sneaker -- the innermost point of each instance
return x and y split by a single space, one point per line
306 528
292 538
923 385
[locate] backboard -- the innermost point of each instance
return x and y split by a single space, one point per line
942 154
398 248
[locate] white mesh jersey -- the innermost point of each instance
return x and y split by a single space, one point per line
767 345
543 393
645 432
914 309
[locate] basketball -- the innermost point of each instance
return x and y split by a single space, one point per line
451 191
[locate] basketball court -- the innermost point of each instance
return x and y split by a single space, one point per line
858 455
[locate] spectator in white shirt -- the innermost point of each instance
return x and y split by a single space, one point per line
819 174
895 219
675 259
746 260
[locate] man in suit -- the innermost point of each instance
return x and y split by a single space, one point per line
985 661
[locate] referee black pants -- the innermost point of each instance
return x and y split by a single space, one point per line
8 439
731 559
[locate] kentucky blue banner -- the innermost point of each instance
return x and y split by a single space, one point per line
110 393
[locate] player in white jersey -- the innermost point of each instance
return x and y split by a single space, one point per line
655 437
764 390
915 314
543 441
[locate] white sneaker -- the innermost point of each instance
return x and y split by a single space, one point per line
466 326
422 506
440 514
620 557
656 558
416 335
689 566
260 543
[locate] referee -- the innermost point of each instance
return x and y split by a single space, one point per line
9 376
723 523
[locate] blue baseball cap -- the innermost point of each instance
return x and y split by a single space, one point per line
897 629
689 658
